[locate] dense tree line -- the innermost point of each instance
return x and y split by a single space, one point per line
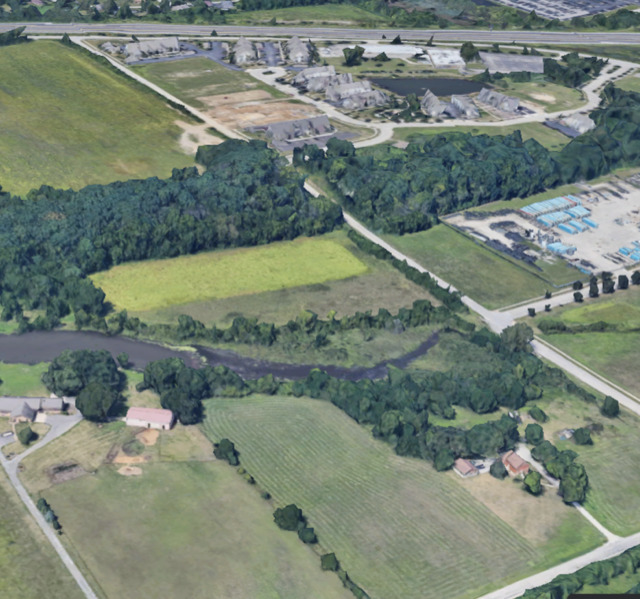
307 329
595 574
573 70
8 38
403 191
562 465
51 241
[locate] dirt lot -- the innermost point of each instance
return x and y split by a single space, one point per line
250 108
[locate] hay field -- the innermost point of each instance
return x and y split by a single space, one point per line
69 121
193 529
157 284
398 527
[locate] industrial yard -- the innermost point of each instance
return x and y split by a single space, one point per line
595 230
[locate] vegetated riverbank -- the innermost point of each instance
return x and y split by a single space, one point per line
44 346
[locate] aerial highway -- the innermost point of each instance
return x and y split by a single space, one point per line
453 35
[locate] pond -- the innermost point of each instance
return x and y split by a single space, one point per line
440 86
44 346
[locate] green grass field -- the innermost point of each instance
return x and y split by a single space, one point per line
630 83
551 96
334 14
195 78
159 283
381 286
517 203
184 530
482 274
22 379
69 121
29 567
547 137
398 527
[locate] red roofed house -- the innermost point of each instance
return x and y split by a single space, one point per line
514 464
464 468
150 418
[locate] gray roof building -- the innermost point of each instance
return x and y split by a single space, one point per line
311 127
244 51
297 50
464 104
356 95
432 105
498 100
161 47
580 123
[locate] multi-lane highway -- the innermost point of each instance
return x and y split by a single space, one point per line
453 35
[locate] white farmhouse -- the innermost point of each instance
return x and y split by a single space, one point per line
150 418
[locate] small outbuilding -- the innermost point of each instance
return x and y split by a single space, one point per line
150 418
514 464
465 468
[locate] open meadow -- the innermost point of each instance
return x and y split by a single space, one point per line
399 528
552 97
484 275
69 121
190 529
549 138
29 567
333 14
154 284
379 286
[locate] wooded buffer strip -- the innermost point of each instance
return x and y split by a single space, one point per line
404 191
596 574
305 328
51 241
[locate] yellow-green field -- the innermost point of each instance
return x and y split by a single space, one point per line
159 283
69 121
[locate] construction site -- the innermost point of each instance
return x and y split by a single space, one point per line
595 230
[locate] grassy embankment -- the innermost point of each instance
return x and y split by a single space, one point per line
187 525
192 79
547 137
493 280
630 83
22 380
69 121
333 14
398 527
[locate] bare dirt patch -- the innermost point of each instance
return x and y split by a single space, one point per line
544 97
193 136
148 437
123 458
130 471
64 472
251 108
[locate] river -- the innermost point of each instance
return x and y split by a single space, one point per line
44 346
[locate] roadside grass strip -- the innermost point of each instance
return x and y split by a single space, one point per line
157 284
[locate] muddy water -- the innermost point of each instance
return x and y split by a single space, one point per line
44 346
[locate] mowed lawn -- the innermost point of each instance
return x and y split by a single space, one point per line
29 567
68 121
398 527
474 269
23 379
191 529
159 283
549 138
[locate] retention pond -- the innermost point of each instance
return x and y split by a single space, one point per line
438 85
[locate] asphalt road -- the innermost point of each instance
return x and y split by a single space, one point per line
59 426
476 35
